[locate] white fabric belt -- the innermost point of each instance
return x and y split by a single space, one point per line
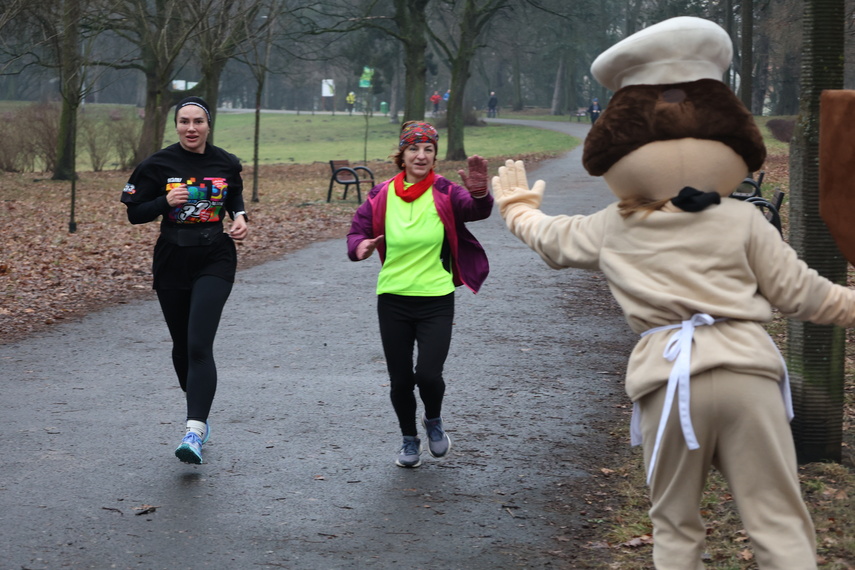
679 351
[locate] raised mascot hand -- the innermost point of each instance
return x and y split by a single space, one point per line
476 180
510 187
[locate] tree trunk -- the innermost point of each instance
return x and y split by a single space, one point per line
460 72
473 20
455 114
557 107
730 77
746 73
395 93
816 352
787 100
412 23
518 102
761 76
211 73
157 103
71 86
259 89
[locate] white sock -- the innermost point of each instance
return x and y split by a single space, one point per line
197 427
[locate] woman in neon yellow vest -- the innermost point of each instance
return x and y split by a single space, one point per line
418 229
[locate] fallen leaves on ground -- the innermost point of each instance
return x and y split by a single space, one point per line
50 275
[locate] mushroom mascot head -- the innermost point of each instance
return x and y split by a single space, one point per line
673 130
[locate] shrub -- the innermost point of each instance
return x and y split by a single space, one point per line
124 137
42 131
471 118
13 145
781 129
93 134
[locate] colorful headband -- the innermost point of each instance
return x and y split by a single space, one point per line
419 133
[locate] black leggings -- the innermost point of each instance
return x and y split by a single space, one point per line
193 317
404 322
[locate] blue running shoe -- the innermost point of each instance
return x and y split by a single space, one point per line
439 443
190 450
410 454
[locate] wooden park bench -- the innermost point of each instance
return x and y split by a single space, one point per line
345 174
581 112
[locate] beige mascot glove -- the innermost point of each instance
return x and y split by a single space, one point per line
518 204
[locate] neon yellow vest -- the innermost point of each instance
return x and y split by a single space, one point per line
414 237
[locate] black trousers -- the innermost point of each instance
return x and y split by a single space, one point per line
192 316
406 323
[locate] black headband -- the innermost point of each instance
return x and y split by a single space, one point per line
198 103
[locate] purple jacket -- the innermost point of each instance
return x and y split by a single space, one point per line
455 205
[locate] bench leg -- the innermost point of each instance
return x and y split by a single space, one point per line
329 191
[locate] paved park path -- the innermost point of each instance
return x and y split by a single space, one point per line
299 470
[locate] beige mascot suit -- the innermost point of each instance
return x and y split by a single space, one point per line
696 274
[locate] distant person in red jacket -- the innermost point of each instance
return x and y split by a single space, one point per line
435 99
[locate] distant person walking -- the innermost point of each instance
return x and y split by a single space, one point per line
350 100
594 110
435 100
446 96
416 222
492 104
191 186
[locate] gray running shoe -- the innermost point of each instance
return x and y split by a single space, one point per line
439 443
410 454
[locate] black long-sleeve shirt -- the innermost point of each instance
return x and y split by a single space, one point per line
213 179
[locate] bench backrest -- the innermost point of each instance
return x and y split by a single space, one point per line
344 175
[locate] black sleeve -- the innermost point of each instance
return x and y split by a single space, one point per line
147 211
234 199
143 197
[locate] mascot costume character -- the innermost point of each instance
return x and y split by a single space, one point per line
696 274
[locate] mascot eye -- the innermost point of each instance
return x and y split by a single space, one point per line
673 96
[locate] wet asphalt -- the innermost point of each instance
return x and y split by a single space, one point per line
299 471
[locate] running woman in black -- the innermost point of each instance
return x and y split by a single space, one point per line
192 185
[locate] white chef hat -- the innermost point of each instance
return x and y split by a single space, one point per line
677 50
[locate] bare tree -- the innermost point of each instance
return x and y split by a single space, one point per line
9 10
412 23
406 23
470 20
256 55
67 46
161 30
53 42
224 26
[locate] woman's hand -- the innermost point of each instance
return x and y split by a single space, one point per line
239 230
476 180
366 247
178 196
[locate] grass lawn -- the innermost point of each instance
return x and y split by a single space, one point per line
290 138
306 138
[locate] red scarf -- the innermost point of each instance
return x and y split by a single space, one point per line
415 190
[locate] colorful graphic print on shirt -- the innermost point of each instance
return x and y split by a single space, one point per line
205 203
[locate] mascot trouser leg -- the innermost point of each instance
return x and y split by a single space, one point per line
741 426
